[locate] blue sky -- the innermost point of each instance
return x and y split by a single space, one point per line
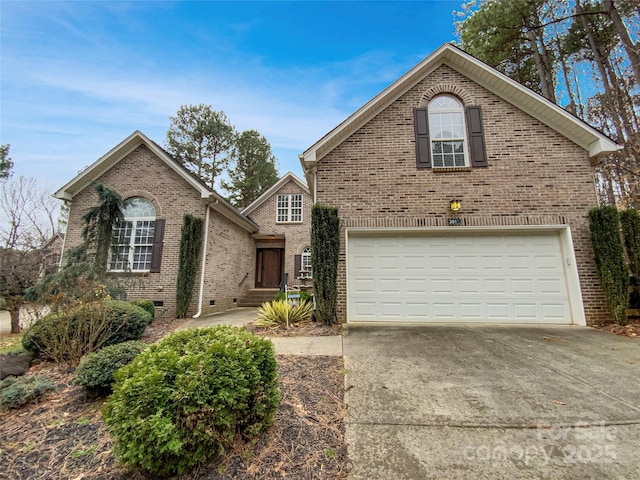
78 77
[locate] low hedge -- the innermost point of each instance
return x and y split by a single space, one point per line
96 370
190 396
68 336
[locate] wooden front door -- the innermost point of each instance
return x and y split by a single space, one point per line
269 263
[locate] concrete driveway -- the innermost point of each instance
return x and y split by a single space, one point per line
492 402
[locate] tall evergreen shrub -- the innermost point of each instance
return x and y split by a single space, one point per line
325 248
630 220
612 271
188 263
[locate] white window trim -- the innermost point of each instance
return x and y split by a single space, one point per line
305 274
464 139
289 207
132 245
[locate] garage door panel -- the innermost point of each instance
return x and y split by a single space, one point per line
525 311
485 277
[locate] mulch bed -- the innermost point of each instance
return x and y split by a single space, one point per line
63 437
631 329
302 329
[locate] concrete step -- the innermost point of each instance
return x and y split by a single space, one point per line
257 296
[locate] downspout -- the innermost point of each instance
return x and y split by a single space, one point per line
204 261
315 186
64 244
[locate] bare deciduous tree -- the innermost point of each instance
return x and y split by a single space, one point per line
28 218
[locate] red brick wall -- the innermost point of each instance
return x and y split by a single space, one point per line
535 177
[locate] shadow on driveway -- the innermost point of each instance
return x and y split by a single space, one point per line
491 401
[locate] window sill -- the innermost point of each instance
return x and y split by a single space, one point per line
122 273
288 223
451 169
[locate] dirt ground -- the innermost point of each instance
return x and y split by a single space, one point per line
63 436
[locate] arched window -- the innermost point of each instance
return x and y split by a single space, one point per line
132 239
447 132
305 271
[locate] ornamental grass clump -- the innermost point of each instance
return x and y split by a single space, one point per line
281 312
190 396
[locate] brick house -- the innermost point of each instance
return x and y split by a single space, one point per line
157 193
463 196
284 215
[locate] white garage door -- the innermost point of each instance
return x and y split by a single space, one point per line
489 277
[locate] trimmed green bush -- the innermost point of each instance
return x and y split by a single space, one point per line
96 370
189 396
325 251
145 305
608 252
18 391
68 336
304 296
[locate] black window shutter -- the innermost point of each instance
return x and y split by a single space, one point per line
297 265
476 137
156 249
423 146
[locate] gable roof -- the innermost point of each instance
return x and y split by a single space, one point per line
576 130
289 176
128 145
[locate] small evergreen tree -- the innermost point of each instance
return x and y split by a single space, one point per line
630 220
612 271
83 276
188 263
325 249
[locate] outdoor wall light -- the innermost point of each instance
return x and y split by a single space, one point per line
454 205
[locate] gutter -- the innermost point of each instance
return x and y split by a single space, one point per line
204 261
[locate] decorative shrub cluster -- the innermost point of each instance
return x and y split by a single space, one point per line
188 397
68 336
145 305
281 312
96 370
18 391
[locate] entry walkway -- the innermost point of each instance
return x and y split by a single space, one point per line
241 316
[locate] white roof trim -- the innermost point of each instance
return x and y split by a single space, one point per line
289 176
535 105
133 141
117 153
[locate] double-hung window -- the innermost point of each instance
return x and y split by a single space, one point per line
289 208
447 132
132 238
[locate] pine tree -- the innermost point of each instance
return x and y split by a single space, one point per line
255 169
